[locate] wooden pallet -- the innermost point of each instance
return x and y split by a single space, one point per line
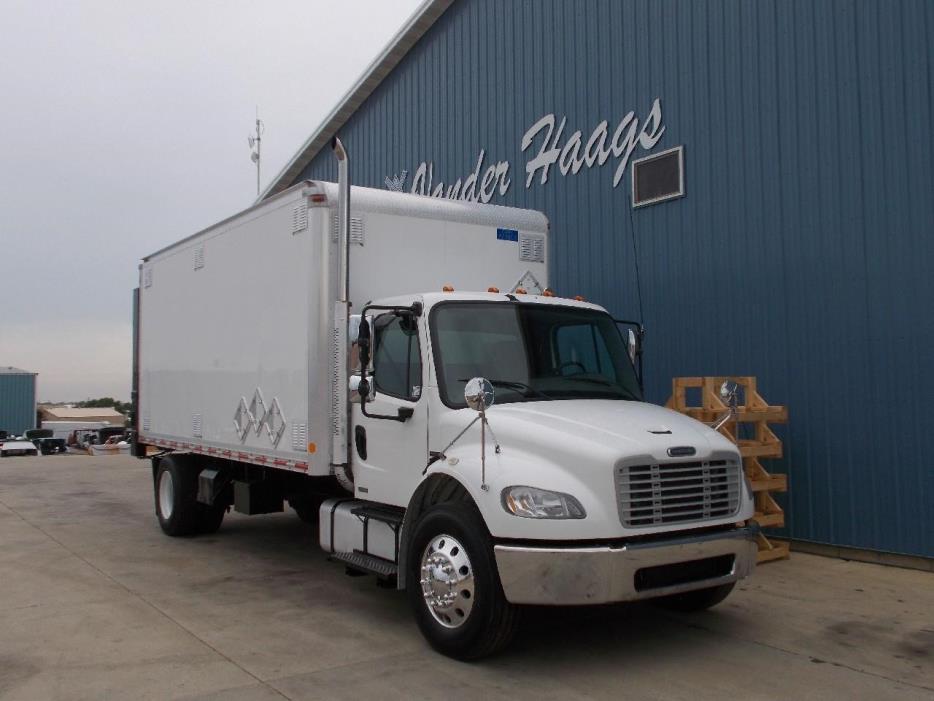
754 410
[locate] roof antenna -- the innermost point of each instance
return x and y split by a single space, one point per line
254 142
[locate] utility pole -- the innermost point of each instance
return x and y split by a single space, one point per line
254 142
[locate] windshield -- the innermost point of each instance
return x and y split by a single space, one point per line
530 352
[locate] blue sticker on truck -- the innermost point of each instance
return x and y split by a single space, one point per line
507 235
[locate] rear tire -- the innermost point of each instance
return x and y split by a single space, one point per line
451 555
697 600
176 490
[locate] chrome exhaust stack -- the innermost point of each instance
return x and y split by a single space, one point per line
343 216
340 448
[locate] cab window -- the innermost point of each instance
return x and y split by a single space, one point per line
397 360
581 349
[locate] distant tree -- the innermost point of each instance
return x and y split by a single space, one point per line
105 402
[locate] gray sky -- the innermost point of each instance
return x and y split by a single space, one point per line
123 129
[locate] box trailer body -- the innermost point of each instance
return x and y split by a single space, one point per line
236 326
397 370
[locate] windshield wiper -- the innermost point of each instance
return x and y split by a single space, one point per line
606 383
512 384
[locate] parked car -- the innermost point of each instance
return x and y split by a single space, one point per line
44 440
17 446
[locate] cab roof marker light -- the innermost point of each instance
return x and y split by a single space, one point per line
447 288
579 298
548 292
520 290
492 289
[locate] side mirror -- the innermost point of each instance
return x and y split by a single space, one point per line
478 393
633 346
728 393
360 390
353 328
362 339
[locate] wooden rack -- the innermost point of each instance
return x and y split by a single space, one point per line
752 409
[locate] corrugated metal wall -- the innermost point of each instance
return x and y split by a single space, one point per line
17 402
802 251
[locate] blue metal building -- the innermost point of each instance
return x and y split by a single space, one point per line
17 400
800 251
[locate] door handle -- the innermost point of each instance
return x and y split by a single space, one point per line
359 439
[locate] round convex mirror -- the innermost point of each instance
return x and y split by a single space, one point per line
478 393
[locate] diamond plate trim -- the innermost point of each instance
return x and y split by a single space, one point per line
257 408
243 420
274 422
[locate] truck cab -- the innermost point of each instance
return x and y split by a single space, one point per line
570 488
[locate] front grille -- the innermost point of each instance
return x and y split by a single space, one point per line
652 495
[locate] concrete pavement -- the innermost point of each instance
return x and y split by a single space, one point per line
96 603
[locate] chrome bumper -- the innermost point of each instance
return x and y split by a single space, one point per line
574 576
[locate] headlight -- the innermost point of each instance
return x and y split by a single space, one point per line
529 502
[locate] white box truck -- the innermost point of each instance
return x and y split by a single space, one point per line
464 433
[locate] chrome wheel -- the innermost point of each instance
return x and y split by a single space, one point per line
447 581
166 494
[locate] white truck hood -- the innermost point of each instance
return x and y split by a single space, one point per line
622 427
575 446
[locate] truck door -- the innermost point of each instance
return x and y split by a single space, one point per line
390 451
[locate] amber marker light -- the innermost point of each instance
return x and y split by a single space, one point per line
520 290
548 292
492 289
447 288
579 298
312 448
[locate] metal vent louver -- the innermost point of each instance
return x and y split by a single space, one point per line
147 422
531 248
299 218
199 257
299 436
357 233
196 425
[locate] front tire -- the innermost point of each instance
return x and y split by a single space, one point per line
697 600
453 584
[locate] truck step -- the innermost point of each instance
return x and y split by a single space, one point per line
386 514
367 563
